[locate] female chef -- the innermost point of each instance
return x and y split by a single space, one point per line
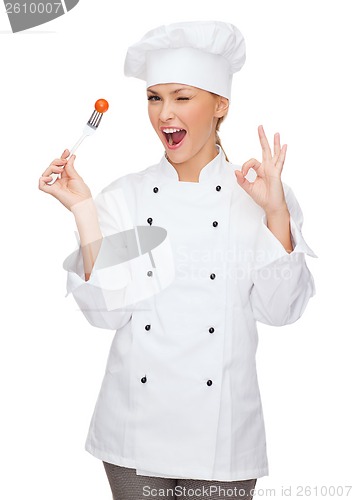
181 260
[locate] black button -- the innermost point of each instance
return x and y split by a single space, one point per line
218 188
155 189
209 382
149 220
150 273
211 330
147 327
144 379
212 276
215 223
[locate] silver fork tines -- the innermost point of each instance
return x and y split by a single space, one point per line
95 119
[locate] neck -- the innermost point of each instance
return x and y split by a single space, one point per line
189 170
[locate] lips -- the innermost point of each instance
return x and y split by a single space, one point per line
174 136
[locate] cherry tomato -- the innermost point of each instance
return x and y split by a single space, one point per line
101 105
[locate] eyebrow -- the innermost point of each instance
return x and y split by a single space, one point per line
172 92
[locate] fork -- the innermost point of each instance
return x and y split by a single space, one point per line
90 127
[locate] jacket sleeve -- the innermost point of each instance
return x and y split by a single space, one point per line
108 283
281 282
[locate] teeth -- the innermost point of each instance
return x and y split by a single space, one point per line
171 130
170 140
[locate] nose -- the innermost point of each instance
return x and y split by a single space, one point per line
167 111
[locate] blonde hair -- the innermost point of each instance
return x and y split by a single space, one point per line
218 139
220 120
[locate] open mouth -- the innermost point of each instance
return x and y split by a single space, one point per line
174 136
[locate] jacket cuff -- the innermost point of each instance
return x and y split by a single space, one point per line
103 275
270 249
122 273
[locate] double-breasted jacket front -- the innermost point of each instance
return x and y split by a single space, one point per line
185 271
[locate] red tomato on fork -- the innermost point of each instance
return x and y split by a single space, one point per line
101 106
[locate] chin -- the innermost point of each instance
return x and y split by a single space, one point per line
176 157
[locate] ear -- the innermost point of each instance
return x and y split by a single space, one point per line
221 106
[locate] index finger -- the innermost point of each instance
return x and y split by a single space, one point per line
266 150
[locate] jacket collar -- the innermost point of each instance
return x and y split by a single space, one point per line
209 172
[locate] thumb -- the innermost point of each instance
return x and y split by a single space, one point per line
244 183
69 170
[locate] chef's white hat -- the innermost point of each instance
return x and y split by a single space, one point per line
203 54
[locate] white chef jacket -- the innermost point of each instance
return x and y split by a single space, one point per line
180 395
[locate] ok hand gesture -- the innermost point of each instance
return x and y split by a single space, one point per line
267 189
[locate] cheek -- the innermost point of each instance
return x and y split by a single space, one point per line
203 125
201 119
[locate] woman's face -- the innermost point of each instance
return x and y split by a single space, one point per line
184 119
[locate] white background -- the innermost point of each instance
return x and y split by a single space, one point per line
297 80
